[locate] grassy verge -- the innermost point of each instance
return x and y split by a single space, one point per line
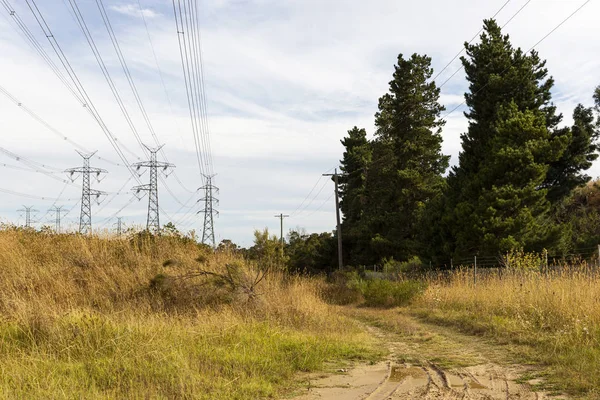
554 318
85 318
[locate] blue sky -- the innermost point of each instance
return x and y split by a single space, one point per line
285 80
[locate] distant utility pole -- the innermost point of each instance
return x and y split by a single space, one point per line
27 211
119 226
57 214
152 222
339 225
85 217
208 230
281 217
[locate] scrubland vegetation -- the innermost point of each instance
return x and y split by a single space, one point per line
156 317
164 317
554 315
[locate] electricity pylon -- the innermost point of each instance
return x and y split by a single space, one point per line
57 214
208 230
119 225
152 222
85 217
27 211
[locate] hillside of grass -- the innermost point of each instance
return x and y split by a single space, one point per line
156 317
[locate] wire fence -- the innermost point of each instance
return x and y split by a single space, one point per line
583 262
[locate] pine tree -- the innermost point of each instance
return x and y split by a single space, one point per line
353 198
496 200
566 173
406 172
357 156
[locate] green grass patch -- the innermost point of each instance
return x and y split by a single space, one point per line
386 293
95 357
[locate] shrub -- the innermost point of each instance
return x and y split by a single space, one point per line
343 288
384 293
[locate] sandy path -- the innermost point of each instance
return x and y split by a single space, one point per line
414 370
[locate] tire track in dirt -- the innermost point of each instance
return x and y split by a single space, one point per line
423 377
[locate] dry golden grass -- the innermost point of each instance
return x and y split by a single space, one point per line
555 315
80 318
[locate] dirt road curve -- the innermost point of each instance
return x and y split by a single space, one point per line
388 381
413 370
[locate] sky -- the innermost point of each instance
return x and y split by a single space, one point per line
284 81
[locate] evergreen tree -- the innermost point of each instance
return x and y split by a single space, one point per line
565 174
496 200
406 172
357 156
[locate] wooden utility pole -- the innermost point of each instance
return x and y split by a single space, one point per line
281 217
337 214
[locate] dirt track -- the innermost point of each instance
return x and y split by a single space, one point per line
427 362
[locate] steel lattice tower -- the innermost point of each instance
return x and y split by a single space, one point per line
153 221
208 231
57 214
119 224
85 217
27 211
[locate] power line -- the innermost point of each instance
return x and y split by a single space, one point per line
120 191
463 48
530 49
32 196
77 83
127 73
313 199
321 206
30 39
100 61
106 220
59 134
29 162
162 80
311 190
186 21
54 203
481 30
190 211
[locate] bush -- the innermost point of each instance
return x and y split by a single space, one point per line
343 288
352 287
384 293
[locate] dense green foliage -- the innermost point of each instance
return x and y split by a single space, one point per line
520 183
515 186
389 181
497 198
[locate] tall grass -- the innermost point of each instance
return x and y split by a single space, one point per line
89 317
555 314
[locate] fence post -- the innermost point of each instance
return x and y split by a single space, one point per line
475 272
452 265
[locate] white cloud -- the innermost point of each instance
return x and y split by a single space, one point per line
133 10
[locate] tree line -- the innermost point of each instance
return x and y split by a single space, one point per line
516 176
520 183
